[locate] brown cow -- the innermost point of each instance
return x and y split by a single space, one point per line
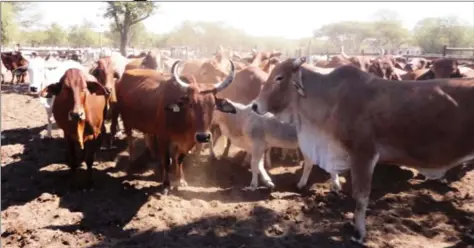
415 75
16 64
442 68
78 110
177 114
417 64
350 120
383 68
361 62
106 75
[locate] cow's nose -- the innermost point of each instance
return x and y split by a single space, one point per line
33 89
255 108
108 90
75 116
203 137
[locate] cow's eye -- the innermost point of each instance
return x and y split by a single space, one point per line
279 78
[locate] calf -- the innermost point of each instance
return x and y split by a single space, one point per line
257 133
78 110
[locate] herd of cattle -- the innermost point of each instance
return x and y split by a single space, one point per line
348 113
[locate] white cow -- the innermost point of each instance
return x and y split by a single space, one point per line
42 74
258 133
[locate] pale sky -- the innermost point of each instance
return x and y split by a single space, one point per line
284 19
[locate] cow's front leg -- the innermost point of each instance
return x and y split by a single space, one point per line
49 115
164 156
307 167
362 169
178 160
257 167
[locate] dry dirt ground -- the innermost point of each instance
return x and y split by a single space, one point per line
39 209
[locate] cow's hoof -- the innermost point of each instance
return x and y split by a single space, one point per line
165 191
182 183
270 185
251 188
336 188
358 241
302 188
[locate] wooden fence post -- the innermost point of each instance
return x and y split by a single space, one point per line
444 50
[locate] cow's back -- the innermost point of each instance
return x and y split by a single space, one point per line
423 124
141 96
246 86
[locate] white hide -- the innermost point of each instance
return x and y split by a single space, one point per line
42 74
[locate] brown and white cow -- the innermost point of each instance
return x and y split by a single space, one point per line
417 64
16 64
350 120
441 68
78 110
176 112
384 68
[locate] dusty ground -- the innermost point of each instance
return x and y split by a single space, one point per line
40 210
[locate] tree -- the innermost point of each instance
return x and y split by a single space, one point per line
389 31
8 25
138 36
431 34
55 35
350 34
127 14
83 35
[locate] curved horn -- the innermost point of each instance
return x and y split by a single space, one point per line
343 54
174 71
227 81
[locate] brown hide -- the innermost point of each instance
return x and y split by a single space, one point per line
16 64
365 119
158 105
383 68
78 110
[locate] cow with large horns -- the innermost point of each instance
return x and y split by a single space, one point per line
175 112
350 120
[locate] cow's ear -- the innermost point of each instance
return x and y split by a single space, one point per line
97 88
51 90
225 106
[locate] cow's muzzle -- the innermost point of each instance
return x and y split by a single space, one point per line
76 116
203 137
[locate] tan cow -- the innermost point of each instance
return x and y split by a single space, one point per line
350 120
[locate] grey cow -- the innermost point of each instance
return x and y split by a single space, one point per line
257 133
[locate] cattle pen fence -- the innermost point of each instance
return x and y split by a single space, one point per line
459 53
185 52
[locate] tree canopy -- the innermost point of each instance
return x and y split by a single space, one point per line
126 28
127 14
